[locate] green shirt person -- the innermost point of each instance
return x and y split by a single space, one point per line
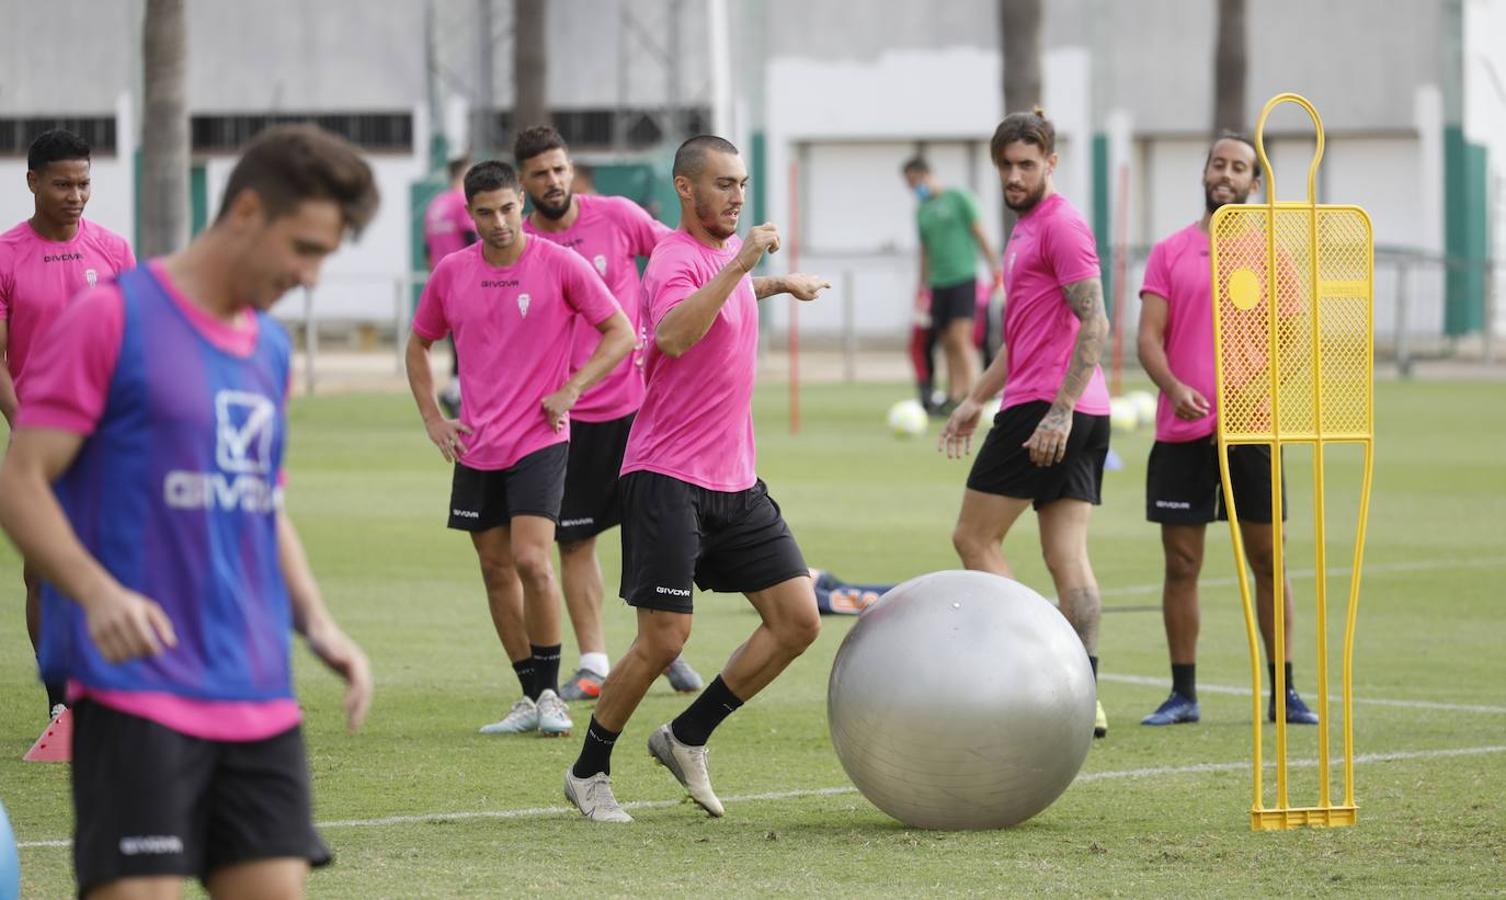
951 238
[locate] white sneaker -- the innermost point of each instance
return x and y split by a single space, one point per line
57 710
687 764
593 797
553 716
524 716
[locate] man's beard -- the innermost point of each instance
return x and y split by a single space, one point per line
1213 205
712 222
553 212
1031 199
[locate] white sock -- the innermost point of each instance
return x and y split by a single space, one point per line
596 662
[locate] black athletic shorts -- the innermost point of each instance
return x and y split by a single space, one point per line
674 533
1183 487
953 301
148 800
592 504
483 499
1003 465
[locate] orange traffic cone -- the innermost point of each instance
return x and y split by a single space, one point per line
56 742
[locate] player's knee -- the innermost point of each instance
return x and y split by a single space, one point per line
796 633
1064 564
968 543
662 645
1182 565
533 564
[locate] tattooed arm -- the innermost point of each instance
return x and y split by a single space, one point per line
1048 445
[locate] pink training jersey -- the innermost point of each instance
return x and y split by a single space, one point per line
696 423
71 385
611 233
38 277
512 327
1051 247
1179 270
447 226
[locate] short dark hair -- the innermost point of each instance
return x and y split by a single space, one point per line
55 145
457 166
533 141
1031 127
1234 136
289 164
491 175
691 157
916 164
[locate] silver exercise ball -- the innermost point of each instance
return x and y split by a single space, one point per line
961 700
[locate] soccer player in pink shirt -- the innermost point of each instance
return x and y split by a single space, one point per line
44 262
694 509
144 482
1051 435
611 233
447 228
1183 486
512 303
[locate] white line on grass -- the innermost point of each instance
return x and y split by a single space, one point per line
1333 698
1419 565
1156 772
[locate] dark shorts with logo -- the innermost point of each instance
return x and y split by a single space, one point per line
148 800
592 503
1003 466
482 499
953 301
675 534
1183 485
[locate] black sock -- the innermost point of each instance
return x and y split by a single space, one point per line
1093 661
57 692
546 669
700 718
524 670
1270 671
1184 679
596 752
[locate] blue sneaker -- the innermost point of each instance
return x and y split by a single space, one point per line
1297 712
1174 711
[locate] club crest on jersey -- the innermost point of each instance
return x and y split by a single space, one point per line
91 276
523 301
601 265
245 423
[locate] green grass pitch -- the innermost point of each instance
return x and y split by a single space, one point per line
419 804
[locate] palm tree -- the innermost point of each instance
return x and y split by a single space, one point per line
530 65
164 130
1020 24
1229 67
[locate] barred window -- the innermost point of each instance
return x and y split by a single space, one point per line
16 134
392 132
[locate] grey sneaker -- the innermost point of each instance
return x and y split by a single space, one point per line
583 685
688 765
554 718
593 797
524 716
682 677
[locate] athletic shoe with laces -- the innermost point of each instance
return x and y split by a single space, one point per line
687 764
1174 711
554 716
593 797
1297 712
1100 722
682 677
523 717
583 685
